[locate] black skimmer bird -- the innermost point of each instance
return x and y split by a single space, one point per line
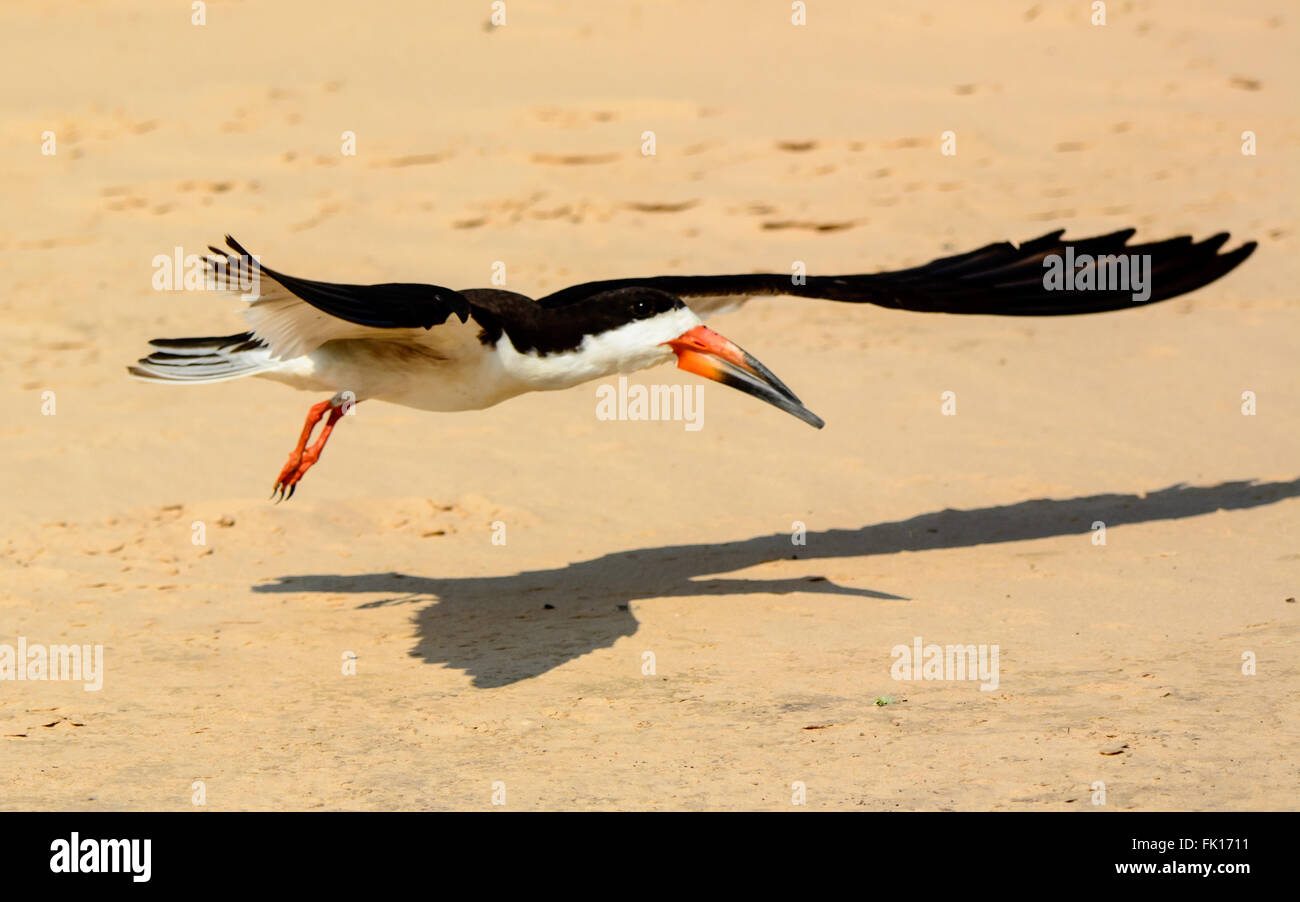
433 348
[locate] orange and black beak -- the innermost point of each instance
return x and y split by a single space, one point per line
706 353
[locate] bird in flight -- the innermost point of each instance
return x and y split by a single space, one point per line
434 348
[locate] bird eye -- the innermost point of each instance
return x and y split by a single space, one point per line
642 308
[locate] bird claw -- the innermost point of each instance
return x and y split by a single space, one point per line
286 478
287 482
303 456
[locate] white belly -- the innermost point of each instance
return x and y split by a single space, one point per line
448 368
401 373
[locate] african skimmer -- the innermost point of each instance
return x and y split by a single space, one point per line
433 348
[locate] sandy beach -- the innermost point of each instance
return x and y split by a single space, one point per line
533 606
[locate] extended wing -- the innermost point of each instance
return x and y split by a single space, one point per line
999 279
294 316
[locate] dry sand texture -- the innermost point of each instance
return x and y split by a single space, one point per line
523 663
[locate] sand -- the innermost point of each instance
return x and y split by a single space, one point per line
649 636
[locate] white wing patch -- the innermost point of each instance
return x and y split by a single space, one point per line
292 327
289 325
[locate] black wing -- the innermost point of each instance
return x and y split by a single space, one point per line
999 279
393 305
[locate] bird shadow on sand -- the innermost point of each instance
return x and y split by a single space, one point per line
503 629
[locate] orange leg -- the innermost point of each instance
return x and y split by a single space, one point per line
302 457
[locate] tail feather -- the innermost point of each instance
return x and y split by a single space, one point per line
213 359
